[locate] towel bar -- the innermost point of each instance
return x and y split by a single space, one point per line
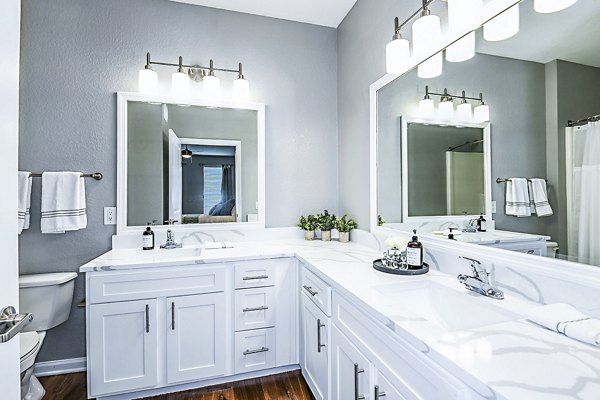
503 180
96 175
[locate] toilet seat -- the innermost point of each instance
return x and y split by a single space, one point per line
29 347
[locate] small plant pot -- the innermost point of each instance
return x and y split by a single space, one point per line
309 235
326 236
344 237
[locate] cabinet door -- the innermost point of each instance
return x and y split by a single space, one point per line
386 390
350 370
196 337
123 346
315 348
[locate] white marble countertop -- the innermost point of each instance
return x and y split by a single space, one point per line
493 237
509 358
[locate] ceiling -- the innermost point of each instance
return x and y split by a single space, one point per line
318 12
571 35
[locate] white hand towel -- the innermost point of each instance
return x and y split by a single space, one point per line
517 198
24 200
63 202
538 195
217 245
566 319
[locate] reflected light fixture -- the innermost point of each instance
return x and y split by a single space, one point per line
551 6
462 15
241 87
426 106
186 153
446 111
464 112
446 107
427 32
503 26
180 82
212 84
397 52
147 78
482 111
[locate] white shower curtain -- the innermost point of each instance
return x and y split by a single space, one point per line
586 194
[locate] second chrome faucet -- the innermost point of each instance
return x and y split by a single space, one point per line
479 282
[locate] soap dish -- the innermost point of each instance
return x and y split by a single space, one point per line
379 266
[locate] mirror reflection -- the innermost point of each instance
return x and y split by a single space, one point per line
191 164
544 171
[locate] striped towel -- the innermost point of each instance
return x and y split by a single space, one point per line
538 195
24 200
63 202
517 198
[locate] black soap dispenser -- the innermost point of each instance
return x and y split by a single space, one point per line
414 252
451 234
481 224
148 238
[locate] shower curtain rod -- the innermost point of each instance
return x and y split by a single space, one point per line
465 144
583 121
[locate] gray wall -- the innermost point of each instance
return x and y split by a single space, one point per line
75 54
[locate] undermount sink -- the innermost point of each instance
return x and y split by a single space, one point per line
183 252
449 309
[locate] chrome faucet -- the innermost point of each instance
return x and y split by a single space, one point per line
479 282
170 243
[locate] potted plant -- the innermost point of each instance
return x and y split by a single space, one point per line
326 224
308 225
344 226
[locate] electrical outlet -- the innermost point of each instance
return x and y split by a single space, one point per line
494 207
110 215
257 205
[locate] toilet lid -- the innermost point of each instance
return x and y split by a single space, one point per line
29 343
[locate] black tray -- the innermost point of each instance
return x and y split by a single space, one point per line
378 265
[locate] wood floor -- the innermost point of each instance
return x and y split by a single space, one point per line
287 386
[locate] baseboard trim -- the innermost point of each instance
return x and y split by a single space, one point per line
59 367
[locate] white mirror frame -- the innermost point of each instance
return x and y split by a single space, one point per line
122 99
487 171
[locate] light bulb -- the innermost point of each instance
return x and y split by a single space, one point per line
180 84
397 52
503 26
212 86
147 81
241 90
446 110
464 112
551 6
482 113
462 15
426 39
426 108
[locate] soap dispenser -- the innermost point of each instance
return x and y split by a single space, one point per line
451 234
148 238
481 224
414 252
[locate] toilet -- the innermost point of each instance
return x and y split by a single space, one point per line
48 297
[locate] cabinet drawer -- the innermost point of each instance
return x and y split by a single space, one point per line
254 350
317 290
254 308
253 274
139 284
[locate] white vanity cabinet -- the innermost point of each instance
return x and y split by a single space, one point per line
351 370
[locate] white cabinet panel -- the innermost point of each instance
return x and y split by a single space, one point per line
196 337
316 290
350 375
123 336
315 359
250 274
386 390
254 350
254 308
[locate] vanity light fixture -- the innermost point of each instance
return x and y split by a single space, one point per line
397 52
426 106
503 26
551 6
446 107
482 111
180 80
427 32
186 153
462 14
464 111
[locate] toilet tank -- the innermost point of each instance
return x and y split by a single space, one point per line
48 297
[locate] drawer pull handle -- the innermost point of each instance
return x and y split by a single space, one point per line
357 371
309 290
261 308
147 318
319 326
378 394
261 350
173 316
255 278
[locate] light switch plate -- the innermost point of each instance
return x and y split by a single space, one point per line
494 207
110 215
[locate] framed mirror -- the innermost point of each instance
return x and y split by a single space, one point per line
189 165
542 115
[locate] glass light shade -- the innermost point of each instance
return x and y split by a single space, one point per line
551 6
427 33
504 26
446 110
464 112
180 84
462 16
147 81
482 113
241 90
397 52
212 86
426 108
